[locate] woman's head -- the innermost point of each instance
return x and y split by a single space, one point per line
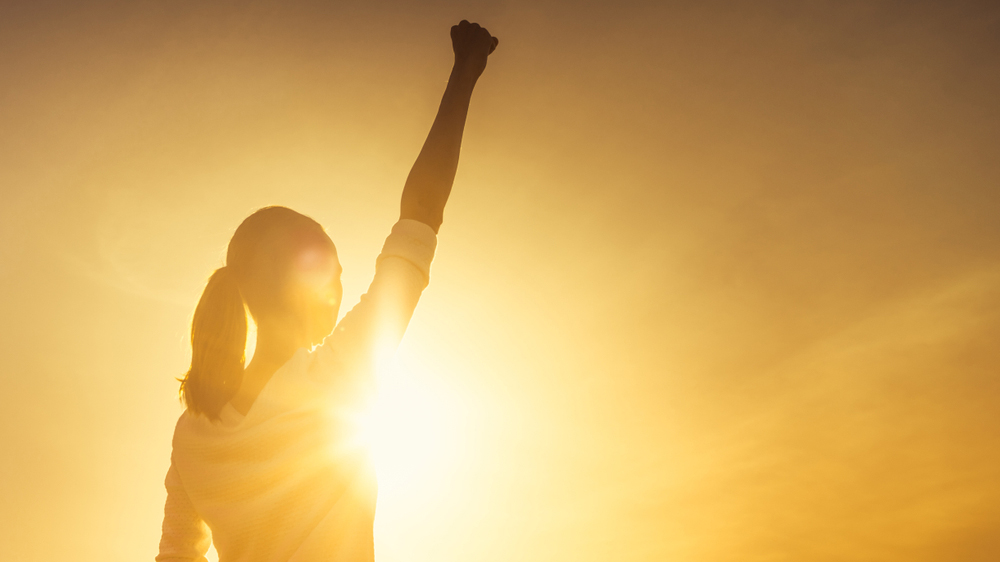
281 267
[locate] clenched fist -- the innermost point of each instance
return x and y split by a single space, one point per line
472 44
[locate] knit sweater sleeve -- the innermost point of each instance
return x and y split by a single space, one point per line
185 536
377 323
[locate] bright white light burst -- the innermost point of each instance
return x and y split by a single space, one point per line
413 430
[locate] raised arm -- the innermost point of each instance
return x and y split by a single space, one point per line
430 180
378 322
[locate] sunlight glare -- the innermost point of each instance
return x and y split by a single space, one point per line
411 428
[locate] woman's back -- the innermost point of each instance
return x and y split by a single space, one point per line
283 480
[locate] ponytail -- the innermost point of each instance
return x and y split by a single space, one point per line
218 341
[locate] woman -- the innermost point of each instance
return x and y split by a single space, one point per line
264 462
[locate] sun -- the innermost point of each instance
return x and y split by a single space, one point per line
412 428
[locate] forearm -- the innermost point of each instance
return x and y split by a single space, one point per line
429 184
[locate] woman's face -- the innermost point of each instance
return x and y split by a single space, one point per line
316 291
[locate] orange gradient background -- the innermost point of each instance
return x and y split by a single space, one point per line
717 281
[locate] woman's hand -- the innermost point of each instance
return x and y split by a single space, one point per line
472 45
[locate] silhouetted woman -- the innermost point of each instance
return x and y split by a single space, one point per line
263 460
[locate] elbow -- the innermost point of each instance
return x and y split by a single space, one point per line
432 216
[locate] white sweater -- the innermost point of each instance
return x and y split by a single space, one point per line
289 481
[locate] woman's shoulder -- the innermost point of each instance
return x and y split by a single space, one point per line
190 423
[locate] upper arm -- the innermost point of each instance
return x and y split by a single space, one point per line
376 325
381 317
185 536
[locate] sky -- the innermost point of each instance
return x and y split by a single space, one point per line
717 281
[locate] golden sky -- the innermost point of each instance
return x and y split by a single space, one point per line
717 282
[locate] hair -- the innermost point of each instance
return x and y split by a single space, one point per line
258 262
